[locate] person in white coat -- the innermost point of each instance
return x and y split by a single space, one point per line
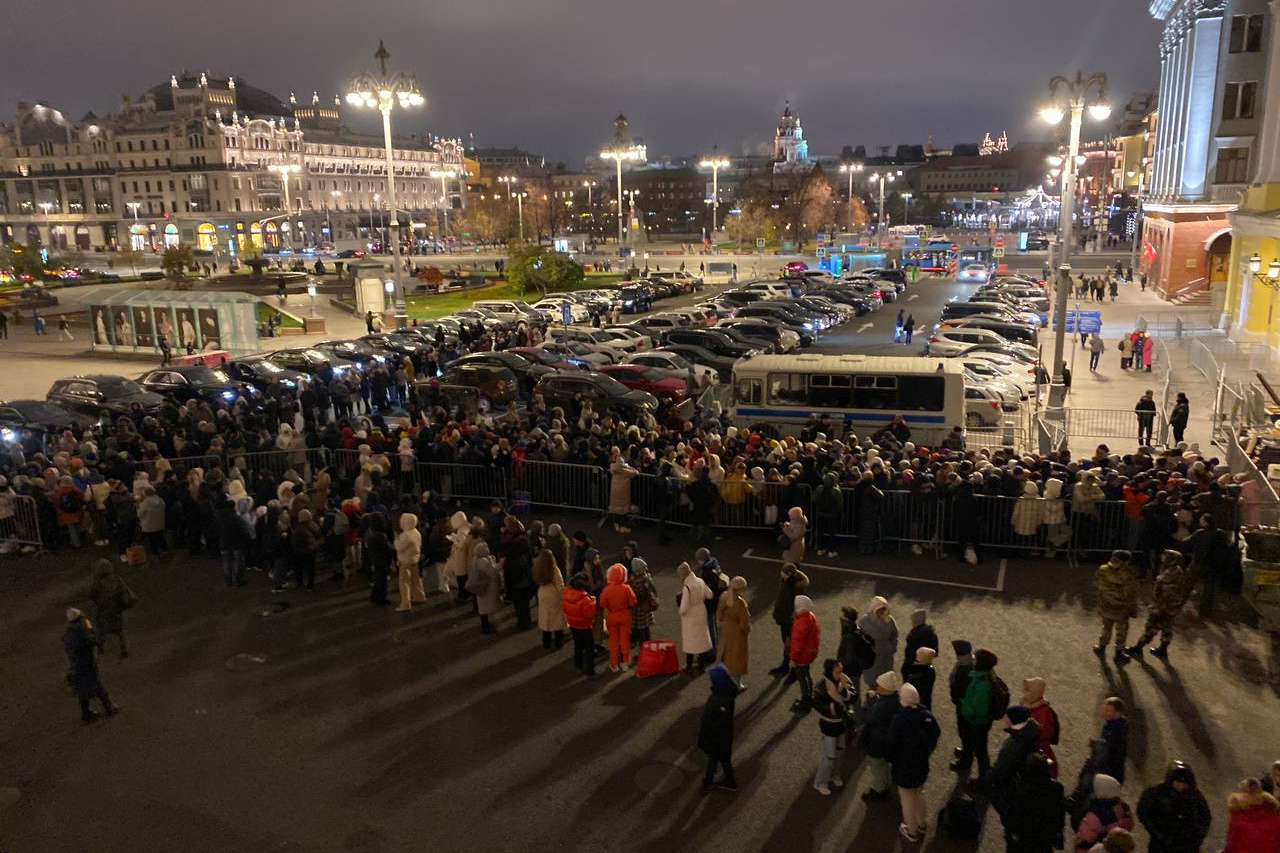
1055 517
1028 511
880 627
456 566
695 634
408 553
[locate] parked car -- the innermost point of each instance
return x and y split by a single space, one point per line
955 341
722 365
983 408
309 360
485 318
641 378
361 353
638 340
570 350
41 415
553 309
564 389
495 386
528 370
395 347
672 364
595 337
195 382
974 272
261 371
771 332
510 311
547 358
96 393
714 340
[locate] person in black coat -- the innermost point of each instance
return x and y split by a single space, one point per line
1174 812
1034 821
380 557
81 645
703 495
921 636
913 734
715 733
876 737
1002 780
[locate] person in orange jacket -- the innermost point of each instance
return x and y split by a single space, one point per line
617 599
580 612
806 635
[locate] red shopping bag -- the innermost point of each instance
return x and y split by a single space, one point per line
657 657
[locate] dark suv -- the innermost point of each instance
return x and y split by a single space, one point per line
195 382
98 393
604 392
709 339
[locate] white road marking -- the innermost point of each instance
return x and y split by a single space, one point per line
999 587
864 327
913 296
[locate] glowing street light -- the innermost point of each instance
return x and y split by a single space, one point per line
383 92
851 169
882 179
444 175
286 171
715 164
618 154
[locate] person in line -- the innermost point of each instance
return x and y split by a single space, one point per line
1174 813
734 619
806 636
111 597
856 651
408 553
580 613
921 675
617 600
550 583
484 582
715 732
1253 820
879 626
1022 738
976 716
913 735
831 700
958 683
380 556
794 583
1033 823
921 635
1045 717
695 633
1107 755
81 646
1107 811
877 737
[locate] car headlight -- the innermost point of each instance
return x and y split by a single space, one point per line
808 324
380 359
8 435
228 395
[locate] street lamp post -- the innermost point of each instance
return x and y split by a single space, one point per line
1271 281
715 164
881 180
1137 217
286 171
510 181
618 155
851 169
443 175
1074 95
906 207
382 92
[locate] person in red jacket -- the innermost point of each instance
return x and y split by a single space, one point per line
1044 715
1254 822
580 612
803 650
617 599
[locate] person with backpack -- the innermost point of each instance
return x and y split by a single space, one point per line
1107 810
857 651
1117 588
794 583
1046 718
1022 739
877 740
831 700
958 683
1034 821
986 698
913 735
806 636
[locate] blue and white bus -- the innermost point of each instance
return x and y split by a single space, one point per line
785 391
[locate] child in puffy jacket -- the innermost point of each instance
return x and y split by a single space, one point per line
580 612
803 649
617 599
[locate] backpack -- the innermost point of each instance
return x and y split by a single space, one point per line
864 651
959 820
70 502
999 702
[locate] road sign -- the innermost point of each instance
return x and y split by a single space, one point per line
565 313
1084 322
998 252
759 242
822 252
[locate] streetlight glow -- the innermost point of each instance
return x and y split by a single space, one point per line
629 153
715 164
1051 115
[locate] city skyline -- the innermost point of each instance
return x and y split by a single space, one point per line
708 79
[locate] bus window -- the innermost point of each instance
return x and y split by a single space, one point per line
749 391
829 391
875 392
787 389
922 393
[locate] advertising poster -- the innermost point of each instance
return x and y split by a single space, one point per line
123 327
143 334
164 326
210 331
101 325
186 327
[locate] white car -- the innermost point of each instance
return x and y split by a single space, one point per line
642 342
770 289
580 351
1021 371
1009 393
595 338
554 309
673 364
695 317
983 409
954 341
982 372
974 273
790 340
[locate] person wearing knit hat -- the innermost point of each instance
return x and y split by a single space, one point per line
921 675
921 635
1023 739
802 649
976 715
913 735
733 618
81 645
883 705
1108 811
715 733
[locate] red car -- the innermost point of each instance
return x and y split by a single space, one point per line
641 378
793 267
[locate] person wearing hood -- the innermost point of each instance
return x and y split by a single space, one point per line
1028 511
1117 590
1057 530
1004 777
828 514
111 597
715 731
975 715
958 683
151 519
877 739
234 541
558 544
617 599
580 612
1046 718
802 650
733 616
1271 781
856 651
882 630
913 735
921 675
921 635
832 700
641 583
550 582
1172 589
794 583
381 555
456 566
794 530
81 646
1107 811
1033 822
695 633
408 553
1175 813
304 542
1253 821
708 568
517 570
484 581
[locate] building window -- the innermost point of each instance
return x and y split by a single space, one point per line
1239 100
1233 166
1246 34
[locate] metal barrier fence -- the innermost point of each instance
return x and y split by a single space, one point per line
1177 323
22 529
583 487
996 439
1110 423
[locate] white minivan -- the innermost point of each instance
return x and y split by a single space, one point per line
509 310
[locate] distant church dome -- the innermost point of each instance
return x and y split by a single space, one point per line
250 100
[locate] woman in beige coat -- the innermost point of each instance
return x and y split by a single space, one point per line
734 620
408 552
550 581
457 565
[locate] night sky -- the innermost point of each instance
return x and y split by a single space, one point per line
550 75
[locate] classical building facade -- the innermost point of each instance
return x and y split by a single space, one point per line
204 161
1213 60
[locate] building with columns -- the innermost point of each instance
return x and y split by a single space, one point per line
1213 60
203 160
1251 307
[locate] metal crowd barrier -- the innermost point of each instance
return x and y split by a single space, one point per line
583 487
22 529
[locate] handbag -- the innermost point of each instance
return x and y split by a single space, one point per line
136 555
657 657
